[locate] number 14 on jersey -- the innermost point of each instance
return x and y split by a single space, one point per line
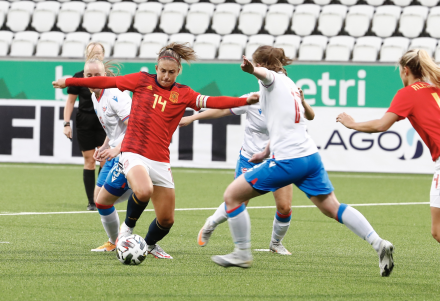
158 100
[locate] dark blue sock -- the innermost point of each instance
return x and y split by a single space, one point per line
155 233
134 210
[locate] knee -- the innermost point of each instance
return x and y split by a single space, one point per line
166 222
143 194
435 234
284 208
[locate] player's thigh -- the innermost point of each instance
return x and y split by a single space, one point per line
140 182
283 199
239 191
164 202
96 192
328 204
105 197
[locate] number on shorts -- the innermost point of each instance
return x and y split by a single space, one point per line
158 99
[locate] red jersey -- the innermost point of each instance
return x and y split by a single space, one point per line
420 103
155 110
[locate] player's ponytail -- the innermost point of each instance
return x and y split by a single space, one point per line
421 66
271 58
177 52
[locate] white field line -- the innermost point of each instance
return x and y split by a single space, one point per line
4 242
226 172
215 208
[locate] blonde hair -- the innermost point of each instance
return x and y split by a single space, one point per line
110 68
271 58
87 53
421 65
177 52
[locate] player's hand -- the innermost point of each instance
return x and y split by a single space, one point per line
253 98
110 154
257 158
185 121
346 120
60 83
96 155
301 94
247 66
67 130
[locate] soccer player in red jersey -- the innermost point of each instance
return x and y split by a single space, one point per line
157 107
418 101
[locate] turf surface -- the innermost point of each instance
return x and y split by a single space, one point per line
48 257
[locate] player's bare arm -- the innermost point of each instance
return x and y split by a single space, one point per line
372 126
208 114
308 111
259 157
59 84
258 72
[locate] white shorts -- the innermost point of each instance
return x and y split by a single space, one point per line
435 186
159 172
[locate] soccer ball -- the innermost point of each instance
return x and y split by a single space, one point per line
131 249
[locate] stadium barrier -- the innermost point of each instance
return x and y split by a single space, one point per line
31 115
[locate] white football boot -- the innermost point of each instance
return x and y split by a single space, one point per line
124 231
158 252
238 258
277 247
386 262
205 233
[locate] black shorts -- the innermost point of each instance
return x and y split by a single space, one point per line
89 131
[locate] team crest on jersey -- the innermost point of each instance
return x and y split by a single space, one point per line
104 109
174 96
244 170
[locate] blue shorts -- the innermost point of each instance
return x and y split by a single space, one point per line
307 173
242 166
112 178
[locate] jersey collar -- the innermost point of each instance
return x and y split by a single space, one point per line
157 83
100 96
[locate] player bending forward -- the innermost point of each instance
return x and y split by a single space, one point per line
418 101
256 138
113 109
295 159
157 107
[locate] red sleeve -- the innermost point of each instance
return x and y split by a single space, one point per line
97 82
402 104
128 82
197 101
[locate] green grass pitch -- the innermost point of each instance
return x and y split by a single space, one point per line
47 257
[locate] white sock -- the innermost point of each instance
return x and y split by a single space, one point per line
111 225
220 216
280 226
240 226
356 222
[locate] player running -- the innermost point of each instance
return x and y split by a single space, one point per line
256 137
419 101
157 107
113 110
295 159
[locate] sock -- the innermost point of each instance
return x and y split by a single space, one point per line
110 221
89 184
240 226
220 216
155 233
357 223
281 224
134 210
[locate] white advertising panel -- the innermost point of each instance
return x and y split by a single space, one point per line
32 131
